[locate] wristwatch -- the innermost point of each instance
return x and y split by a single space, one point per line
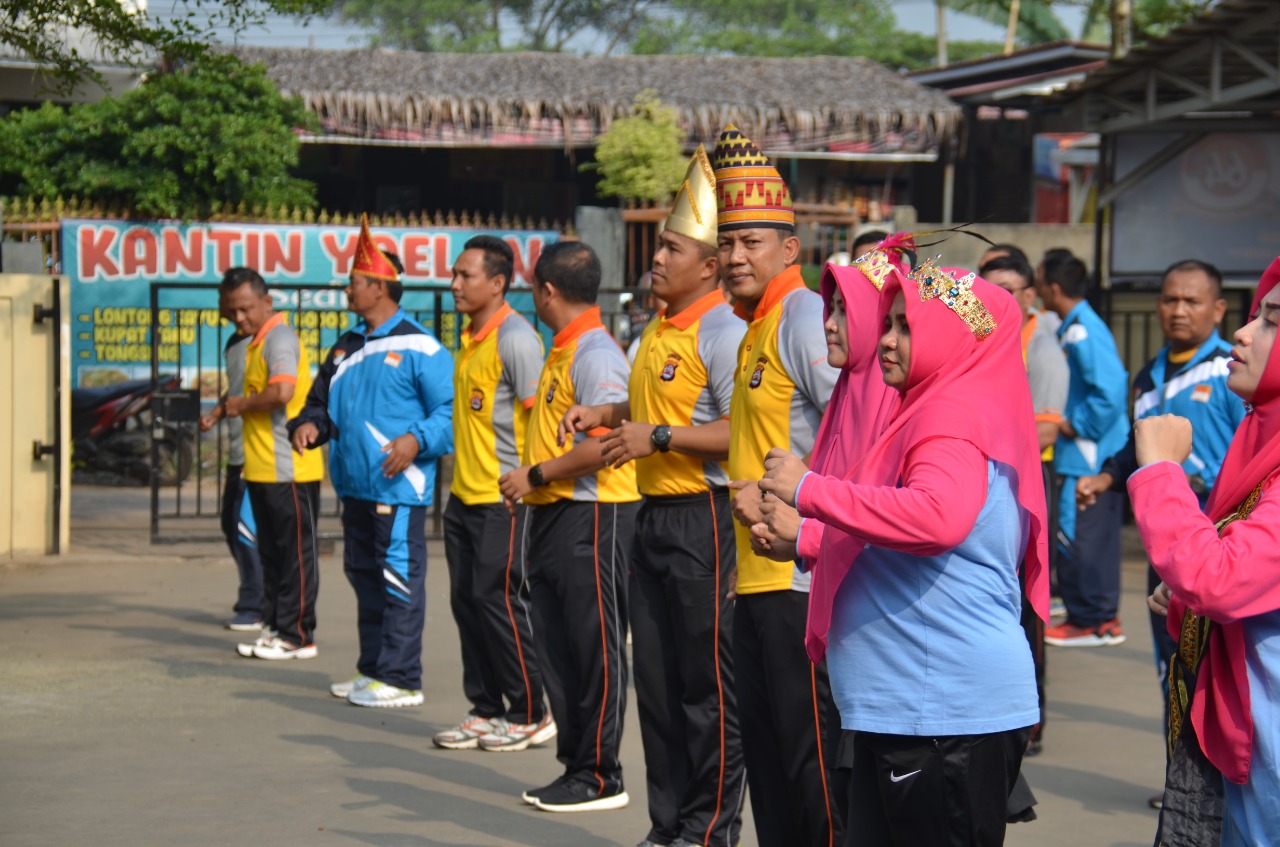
535 476
661 437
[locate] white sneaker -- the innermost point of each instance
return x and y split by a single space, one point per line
464 736
379 695
508 737
357 682
277 649
246 649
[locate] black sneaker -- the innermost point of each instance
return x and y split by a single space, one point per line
532 794
574 795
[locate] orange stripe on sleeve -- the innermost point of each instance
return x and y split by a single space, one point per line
598 432
289 378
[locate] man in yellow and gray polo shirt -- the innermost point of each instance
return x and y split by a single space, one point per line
781 387
284 487
675 426
580 531
495 383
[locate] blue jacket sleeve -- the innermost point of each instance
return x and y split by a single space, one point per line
316 410
1104 403
435 390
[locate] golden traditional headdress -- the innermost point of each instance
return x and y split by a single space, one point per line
750 193
957 294
694 211
369 260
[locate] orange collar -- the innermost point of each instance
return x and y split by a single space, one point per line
489 325
1028 330
590 319
272 322
694 310
779 287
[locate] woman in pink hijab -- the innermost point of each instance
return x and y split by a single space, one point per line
1221 572
928 662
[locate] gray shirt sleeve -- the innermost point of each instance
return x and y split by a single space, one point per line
520 350
718 342
599 371
281 352
1048 374
802 344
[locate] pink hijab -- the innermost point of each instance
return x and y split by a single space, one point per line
966 381
861 405
1220 709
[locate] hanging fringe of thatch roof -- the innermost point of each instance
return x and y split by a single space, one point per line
554 99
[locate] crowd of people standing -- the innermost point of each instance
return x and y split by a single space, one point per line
828 521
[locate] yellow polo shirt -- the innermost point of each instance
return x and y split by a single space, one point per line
585 367
781 387
494 386
683 376
273 356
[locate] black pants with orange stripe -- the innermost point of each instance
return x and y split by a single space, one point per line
578 555
682 653
790 726
286 516
489 595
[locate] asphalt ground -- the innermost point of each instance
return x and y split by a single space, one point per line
126 718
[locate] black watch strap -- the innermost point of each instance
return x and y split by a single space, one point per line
535 476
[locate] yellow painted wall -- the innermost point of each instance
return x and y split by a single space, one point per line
30 353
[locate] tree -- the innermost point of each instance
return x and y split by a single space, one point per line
639 156
216 132
466 26
66 37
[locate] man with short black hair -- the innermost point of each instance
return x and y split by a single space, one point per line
1094 425
283 489
495 385
383 401
580 533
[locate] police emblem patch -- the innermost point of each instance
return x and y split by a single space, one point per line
477 399
757 376
669 369
551 390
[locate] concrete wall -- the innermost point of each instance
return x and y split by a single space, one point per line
963 251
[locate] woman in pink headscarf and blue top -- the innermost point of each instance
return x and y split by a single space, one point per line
1221 589
929 665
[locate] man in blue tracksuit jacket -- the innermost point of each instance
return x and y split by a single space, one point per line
1095 425
1188 377
384 402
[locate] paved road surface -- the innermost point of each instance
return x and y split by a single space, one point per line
127 719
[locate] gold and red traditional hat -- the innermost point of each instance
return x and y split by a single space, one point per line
750 193
693 213
369 260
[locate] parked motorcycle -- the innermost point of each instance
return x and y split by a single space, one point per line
111 431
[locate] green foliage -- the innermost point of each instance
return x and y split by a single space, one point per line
1037 24
478 25
214 133
1154 18
770 28
639 156
64 37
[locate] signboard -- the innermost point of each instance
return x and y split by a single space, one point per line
111 265
1219 201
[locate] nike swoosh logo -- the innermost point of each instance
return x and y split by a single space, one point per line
893 777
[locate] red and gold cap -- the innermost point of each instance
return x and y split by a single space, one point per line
369 260
750 193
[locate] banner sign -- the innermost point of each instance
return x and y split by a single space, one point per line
111 265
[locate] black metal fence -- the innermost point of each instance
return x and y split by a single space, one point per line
189 337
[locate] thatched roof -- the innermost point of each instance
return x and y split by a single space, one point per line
555 99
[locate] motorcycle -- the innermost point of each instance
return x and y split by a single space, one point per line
111 431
